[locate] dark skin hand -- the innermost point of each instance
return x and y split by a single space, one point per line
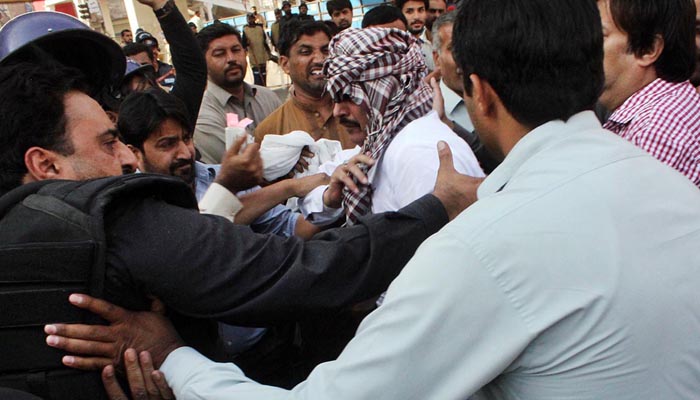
302 165
145 383
241 171
456 191
98 346
343 177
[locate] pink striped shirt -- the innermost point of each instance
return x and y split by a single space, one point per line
663 118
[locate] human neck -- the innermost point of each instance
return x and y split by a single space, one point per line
321 104
236 91
309 98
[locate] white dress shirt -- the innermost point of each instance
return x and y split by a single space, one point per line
406 171
455 108
574 276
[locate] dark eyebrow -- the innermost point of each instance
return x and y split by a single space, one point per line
109 134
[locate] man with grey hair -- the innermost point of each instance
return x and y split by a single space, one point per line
447 93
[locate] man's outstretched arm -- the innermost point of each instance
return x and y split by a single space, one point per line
204 266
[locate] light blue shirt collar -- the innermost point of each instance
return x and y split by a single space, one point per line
532 143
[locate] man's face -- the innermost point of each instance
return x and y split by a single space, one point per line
168 151
445 61
354 118
127 37
414 11
156 52
226 61
303 10
251 19
142 58
305 63
278 15
287 9
695 79
621 79
342 18
97 149
436 8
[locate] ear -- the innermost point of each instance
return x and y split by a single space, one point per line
482 95
138 153
284 64
436 59
42 164
649 58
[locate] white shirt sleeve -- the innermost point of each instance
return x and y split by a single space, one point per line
445 330
314 211
220 201
311 205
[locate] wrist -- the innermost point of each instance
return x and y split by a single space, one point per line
160 354
161 8
229 184
328 202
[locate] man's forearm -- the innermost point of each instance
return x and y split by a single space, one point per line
260 201
215 269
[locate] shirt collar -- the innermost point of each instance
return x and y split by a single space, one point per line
642 99
423 36
223 96
451 99
204 176
531 144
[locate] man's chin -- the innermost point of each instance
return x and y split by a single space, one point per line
186 174
415 31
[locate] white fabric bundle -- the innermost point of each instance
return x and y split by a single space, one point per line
280 153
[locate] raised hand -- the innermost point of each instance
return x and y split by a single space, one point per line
241 171
456 191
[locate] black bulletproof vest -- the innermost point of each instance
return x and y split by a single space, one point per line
52 243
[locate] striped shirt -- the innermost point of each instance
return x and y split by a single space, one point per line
663 118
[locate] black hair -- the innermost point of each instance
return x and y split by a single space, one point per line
383 14
673 20
400 3
33 110
132 49
215 31
142 113
543 58
332 26
124 31
295 29
337 5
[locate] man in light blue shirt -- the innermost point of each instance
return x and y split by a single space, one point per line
573 276
278 220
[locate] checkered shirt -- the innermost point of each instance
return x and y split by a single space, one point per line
663 118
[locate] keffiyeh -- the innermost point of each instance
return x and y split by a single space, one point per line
382 70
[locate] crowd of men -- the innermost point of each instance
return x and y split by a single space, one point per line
488 200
